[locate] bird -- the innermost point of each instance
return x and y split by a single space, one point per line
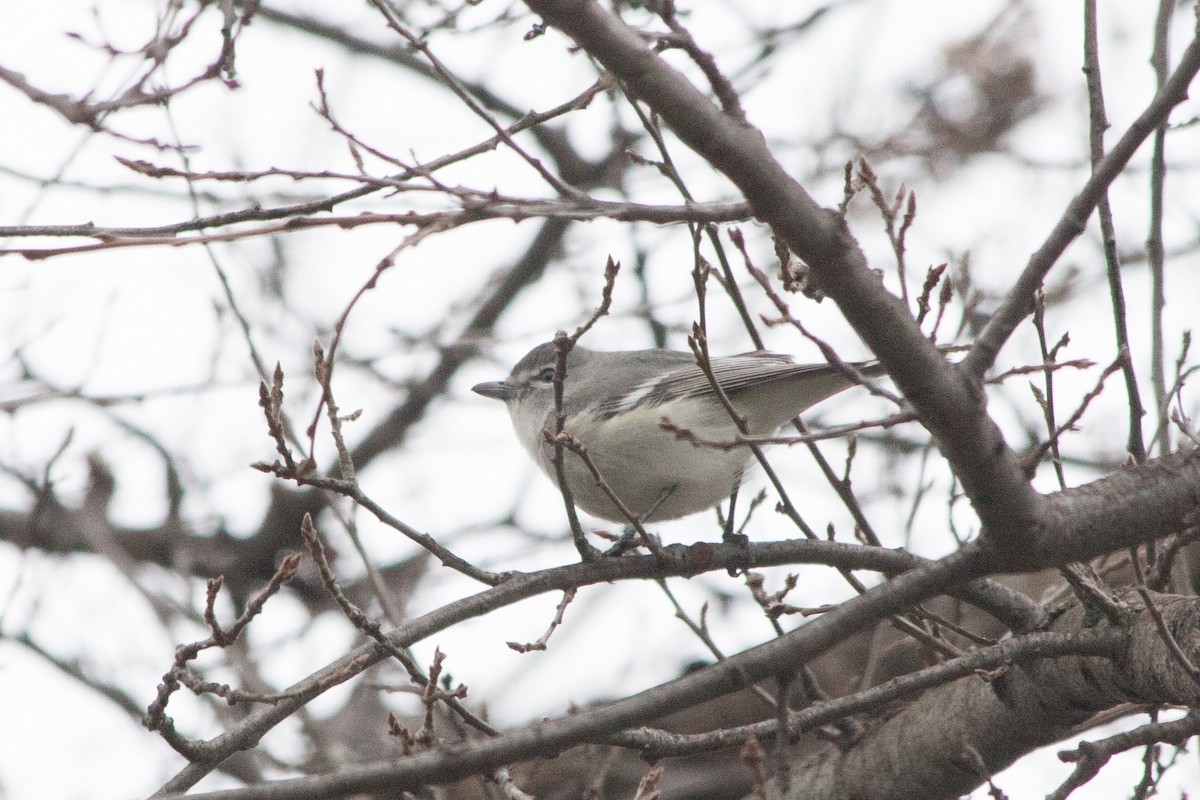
615 404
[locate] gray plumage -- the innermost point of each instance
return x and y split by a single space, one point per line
615 401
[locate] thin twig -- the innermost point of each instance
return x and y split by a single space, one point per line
1097 124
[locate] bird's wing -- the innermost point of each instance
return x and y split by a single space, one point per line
732 373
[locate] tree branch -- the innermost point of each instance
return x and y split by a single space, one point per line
922 752
1142 490
950 403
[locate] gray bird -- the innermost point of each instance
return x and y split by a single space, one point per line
614 403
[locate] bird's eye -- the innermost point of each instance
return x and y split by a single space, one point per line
546 375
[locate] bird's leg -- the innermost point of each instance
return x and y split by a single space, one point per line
629 537
740 540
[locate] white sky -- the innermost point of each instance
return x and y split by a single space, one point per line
143 320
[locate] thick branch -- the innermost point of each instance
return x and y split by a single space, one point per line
1122 510
954 737
1177 477
950 404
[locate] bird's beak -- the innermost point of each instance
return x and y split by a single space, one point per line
497 390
